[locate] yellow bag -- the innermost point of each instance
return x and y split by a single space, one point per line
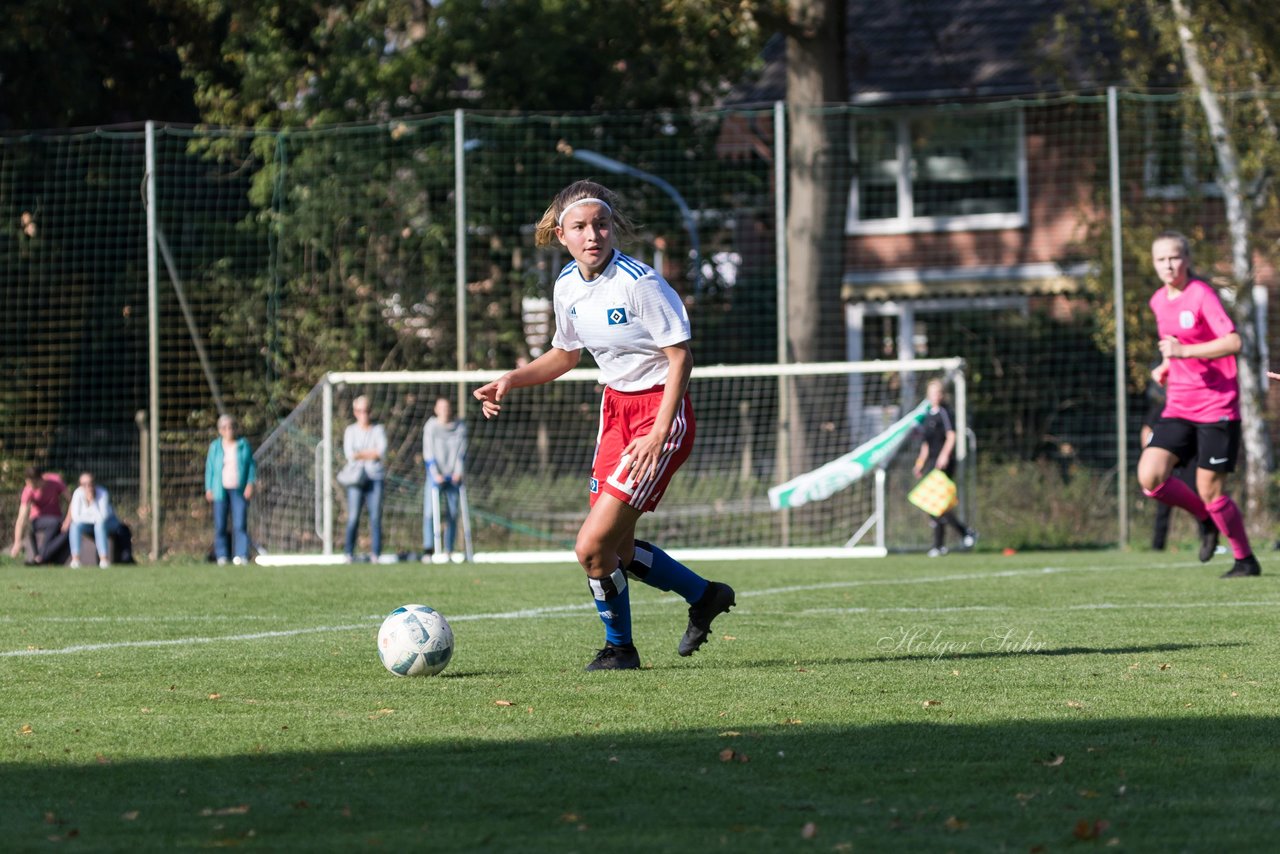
935 494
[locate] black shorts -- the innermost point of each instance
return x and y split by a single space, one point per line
1212 445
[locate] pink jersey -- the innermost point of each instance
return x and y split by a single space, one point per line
45 500
1199 390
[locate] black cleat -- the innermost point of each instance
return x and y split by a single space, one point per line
616 658
1244 567
717 600
1208 539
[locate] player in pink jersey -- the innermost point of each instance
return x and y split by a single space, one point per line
636 328
1201 418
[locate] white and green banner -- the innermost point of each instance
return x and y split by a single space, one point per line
822 483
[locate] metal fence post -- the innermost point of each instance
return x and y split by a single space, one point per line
326 466
1117 285
460 239
153 336
780 251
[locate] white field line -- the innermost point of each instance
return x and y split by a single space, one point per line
1095 606
563 610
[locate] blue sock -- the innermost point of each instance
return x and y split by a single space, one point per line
658 569
613 601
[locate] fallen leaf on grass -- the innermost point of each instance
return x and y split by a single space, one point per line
1053 761
928 703
26 729
1085 830
503 703
1165 666
381 713
215 696
729 733
953 824
131 815
1073 704
793 721
731 755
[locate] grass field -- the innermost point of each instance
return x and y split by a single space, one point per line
1038 702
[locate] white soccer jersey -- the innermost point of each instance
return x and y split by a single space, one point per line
623 317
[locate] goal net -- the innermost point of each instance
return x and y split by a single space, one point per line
527 471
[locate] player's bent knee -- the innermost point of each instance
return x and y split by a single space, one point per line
595 559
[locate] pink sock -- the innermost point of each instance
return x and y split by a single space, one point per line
1226 515
1175 493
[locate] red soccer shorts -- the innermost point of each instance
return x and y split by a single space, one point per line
623 416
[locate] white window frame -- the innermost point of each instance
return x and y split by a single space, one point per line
907 223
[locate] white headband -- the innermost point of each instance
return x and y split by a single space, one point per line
601 202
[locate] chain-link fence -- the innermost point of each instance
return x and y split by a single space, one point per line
982 230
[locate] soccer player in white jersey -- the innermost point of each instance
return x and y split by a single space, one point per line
636 328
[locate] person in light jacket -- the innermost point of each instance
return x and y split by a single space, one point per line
229 474
90 509
444 449
365 442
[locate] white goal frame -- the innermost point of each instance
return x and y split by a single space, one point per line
466 381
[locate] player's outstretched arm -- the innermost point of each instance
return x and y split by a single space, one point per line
551 364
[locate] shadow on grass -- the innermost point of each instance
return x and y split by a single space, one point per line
1151 784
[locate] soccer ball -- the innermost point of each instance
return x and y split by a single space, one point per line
415 640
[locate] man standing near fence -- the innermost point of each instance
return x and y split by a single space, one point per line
444 449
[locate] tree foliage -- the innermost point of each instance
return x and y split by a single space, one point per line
295 63
362 216
77 64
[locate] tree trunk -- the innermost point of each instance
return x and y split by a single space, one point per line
817 161
1258 463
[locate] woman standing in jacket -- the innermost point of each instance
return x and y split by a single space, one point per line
229 473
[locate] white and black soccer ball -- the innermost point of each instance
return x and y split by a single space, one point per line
415 640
